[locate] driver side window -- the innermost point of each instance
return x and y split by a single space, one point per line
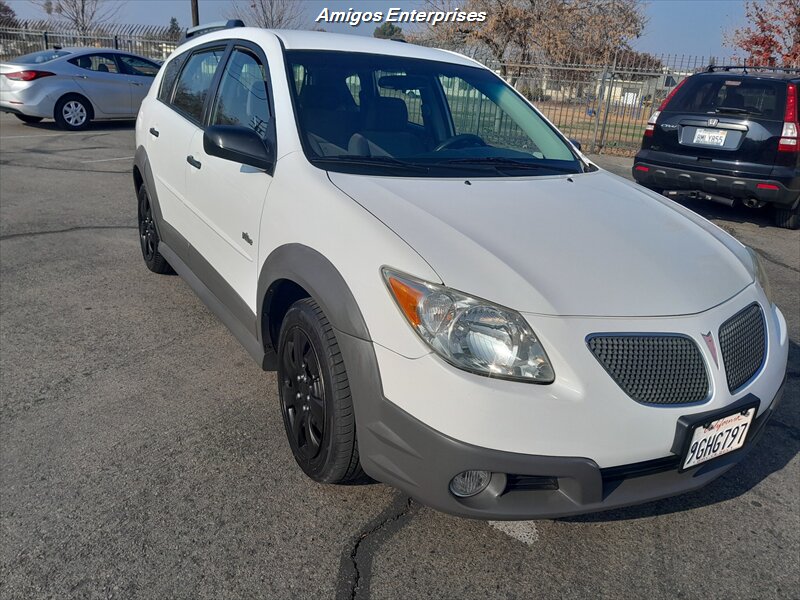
242 97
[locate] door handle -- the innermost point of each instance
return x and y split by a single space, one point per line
195 163
135 83
154 132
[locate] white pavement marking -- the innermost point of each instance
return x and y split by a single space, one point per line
523 531
107 159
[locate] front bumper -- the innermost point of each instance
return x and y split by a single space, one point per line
420 422
404 452
772 191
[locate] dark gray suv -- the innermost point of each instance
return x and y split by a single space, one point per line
728 135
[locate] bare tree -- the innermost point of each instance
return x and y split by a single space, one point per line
85 15
517 31
270 14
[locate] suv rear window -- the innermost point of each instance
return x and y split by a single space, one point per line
761 98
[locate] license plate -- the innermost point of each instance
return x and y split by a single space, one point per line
710 137
719 437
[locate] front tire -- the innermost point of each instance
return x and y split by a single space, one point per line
315 397
28 118
148 236
73 112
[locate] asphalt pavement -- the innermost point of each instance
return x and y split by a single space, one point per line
142 452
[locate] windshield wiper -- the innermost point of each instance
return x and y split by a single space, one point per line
501 161
735 111
373 161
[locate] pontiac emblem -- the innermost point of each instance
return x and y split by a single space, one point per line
712 347
713 122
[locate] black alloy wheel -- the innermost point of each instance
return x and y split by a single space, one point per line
315 398
303 394
148 236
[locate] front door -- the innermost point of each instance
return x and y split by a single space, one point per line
140 74
227 197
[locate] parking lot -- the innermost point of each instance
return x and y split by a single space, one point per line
136 462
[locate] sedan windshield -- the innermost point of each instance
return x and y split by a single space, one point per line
388 115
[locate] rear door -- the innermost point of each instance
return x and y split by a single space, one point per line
724 121
99 79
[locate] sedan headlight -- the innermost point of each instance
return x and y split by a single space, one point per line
470 333
760 273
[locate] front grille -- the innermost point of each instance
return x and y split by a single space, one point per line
653 369
743 343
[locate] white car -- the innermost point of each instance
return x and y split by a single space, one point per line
75 86
457 301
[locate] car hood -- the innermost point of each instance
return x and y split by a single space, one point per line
591 244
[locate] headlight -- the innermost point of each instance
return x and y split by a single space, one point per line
469 333
760 273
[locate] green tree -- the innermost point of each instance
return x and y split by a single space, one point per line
389 31
175 31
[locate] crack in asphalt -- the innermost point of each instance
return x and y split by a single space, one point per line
11 236
355 570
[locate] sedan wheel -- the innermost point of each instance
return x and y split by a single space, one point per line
73 113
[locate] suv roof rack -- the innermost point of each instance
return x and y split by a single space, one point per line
194 32
712 68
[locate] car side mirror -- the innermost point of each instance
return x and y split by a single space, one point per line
576 143
239 144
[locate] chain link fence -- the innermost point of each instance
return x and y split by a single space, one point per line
602 104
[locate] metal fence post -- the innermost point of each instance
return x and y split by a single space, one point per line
46 40
116 42
598 106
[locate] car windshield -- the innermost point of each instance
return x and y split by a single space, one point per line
380 114
37 58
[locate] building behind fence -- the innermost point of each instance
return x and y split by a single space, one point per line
603 105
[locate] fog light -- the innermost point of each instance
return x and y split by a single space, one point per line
469 483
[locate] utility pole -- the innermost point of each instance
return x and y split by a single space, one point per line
195 14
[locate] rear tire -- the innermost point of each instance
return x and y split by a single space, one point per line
787 218
148 236
73 112
315 397
28 118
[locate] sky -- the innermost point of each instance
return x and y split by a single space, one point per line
690 27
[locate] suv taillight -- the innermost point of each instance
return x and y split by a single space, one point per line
789 141
651 122
28 75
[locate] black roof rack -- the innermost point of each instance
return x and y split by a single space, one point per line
209 27
745 68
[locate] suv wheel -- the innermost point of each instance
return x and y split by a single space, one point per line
73 112
315 397
788 218
148 236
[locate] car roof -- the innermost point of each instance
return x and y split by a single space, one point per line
754 74
322 40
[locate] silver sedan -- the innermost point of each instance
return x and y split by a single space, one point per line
75 85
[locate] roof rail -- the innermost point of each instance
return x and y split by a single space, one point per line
712 68
199 30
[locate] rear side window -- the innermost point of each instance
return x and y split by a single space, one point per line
761 98
170 75
194 82
100 63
